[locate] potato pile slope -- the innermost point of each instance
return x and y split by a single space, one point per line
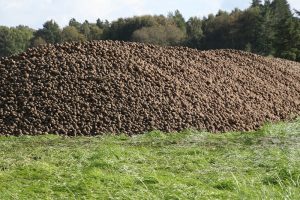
117 87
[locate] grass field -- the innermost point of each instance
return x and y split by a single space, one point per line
187 165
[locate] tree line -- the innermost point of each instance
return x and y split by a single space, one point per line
268 28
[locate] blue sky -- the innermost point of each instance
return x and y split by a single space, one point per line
35 12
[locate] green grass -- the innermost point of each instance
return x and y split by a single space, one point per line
187 165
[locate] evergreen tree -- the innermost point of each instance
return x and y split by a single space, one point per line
249 28
256 3
281 10
286 30
288 39
266 36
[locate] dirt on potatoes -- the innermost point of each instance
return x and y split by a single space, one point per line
118 87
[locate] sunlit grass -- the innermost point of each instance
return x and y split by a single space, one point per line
189 165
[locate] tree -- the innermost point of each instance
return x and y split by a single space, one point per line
218 31
14 40
75 24
85 29
287 38
194 32
70 33
249 26
281 10
21 36
122 29
161 35
96 33
37 41
288 46
102 24
256 3
267 3
50 32
5 41
266 36
179 20
268 28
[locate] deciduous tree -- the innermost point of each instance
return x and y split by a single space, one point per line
50 32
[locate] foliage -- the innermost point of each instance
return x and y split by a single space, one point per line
194 32
96 33
37 41
268 28
122 29
219 30
74 23
14 40
70 33
288 43
266 36
50 32
256 3
178 19
162 35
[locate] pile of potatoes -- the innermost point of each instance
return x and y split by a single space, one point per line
100 87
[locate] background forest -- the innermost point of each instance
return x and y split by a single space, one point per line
269 28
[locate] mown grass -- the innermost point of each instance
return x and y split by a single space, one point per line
189 165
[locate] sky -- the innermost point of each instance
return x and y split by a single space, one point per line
34 13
